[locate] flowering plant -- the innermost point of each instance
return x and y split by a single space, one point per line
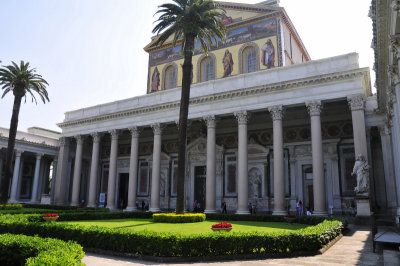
50 215
222 225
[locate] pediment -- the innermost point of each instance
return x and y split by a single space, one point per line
199 145
257 149
164 157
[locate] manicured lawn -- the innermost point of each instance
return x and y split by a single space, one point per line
188 228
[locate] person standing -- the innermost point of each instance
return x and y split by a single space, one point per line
250 208
299 208
224 207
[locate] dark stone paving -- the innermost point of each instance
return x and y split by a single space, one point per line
355 248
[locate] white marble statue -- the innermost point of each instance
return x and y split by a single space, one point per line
361 169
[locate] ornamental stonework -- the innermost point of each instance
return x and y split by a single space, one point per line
157 128
276 112
242 117
96 137
356 102
393 71
79 139
210 120
314 108
135 131
114 134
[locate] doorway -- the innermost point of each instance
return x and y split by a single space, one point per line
200 186
123 190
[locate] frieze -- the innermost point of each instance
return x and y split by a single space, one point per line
231 95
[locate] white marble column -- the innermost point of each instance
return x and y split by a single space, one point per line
211 165
156 168
133 169
112 176
356 103
94 169
15 180
53 179
243 181
34 198
279 171
76 183
62 172
314 109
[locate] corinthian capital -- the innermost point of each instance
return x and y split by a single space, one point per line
64 141
114 134
96 137
79 139
277 112
135 131
314 107
356 102
157 128
395 44
393 74
395 5
211 121
242 117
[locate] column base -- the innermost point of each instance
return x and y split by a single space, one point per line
12 201
320 213
155 209
130 209
34 202
210 211
74 204
242 212
91 205
276 212
112 208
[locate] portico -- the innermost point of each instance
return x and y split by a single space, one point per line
293 156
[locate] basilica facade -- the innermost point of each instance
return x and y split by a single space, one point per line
268 126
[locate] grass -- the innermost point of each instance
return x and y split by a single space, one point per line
188 228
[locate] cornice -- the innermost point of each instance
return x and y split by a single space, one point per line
34 144
231 95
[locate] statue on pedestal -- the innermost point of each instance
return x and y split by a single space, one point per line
254 183
361 169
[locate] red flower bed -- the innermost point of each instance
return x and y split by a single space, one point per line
222 225
50 215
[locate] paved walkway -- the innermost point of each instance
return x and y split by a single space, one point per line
355 248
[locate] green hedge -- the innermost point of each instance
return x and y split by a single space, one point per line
179 218
311 238
18 249
11 207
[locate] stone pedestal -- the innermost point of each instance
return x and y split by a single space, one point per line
363 206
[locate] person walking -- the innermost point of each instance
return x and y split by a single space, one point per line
300 208
224 207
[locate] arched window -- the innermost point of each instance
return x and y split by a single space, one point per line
249 57
207 69
170 77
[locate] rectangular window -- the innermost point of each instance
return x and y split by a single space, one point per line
230 176
143 179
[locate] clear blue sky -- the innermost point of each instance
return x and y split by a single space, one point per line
91 51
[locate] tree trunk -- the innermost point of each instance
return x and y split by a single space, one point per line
5 181
183 115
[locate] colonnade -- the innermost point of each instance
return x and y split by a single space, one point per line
356 104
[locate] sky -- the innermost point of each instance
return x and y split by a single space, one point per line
91 51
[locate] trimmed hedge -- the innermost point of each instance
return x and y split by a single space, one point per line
167 244
11 207
18 249
179 218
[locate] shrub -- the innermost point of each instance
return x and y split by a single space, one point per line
150 243
179 218
18 249
11 207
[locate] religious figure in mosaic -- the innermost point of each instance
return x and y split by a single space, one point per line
361 170
228 63
254 183
268 54
155 80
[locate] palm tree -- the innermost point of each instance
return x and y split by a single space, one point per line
187 21
20 80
